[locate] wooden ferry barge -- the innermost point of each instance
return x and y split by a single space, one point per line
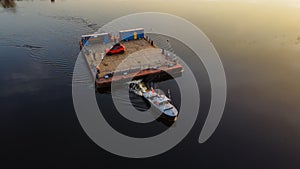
140 58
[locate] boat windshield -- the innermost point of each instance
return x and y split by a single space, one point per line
168 108
164 103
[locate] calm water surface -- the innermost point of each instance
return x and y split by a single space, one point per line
258 43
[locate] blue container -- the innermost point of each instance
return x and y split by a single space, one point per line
84 40
106 39
131 34
99 38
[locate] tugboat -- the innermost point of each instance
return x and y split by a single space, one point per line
159 101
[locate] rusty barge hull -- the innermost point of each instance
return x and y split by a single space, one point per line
164 73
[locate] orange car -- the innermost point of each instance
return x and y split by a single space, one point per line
117 48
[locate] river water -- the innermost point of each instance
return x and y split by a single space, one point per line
258 43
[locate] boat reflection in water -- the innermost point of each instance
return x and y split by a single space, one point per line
155 99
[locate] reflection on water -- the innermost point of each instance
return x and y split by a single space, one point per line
8 3
259 45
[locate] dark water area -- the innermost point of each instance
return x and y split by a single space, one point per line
258 43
